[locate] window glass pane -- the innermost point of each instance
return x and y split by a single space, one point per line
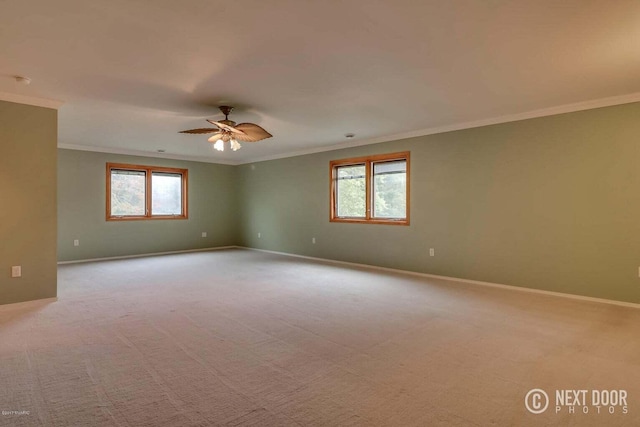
128 193
351 193
390 189
166 193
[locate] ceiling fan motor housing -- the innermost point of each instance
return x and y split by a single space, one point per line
226 110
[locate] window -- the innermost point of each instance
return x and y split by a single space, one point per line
371 189
145 192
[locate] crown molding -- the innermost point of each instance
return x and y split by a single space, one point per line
551 111
30 100
140 153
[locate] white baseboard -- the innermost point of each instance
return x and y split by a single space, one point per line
457 279
79 261
27 304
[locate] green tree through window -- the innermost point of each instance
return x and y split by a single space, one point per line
371 189
351 191
128 193
390 189
145 192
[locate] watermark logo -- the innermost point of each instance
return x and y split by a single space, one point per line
9 413
573 401
536 401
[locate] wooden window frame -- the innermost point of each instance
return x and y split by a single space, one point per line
149 170
368 162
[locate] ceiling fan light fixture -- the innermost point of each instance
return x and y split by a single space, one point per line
235 145
219 145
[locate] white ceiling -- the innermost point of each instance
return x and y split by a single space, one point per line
132 74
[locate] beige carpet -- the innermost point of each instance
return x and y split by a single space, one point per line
244 338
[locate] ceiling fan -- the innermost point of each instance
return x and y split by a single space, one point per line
228 131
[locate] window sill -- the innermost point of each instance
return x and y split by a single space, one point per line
372 221
145 218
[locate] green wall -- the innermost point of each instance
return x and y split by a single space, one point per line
81 210
551 203
28 139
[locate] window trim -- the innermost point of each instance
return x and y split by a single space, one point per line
368 162
148 176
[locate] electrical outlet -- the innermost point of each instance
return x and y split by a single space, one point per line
259 235
432 252
16 271
204 234
313 240
76 242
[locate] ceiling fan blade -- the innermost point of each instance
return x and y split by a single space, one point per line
252 132
216 136
200 130
226 127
